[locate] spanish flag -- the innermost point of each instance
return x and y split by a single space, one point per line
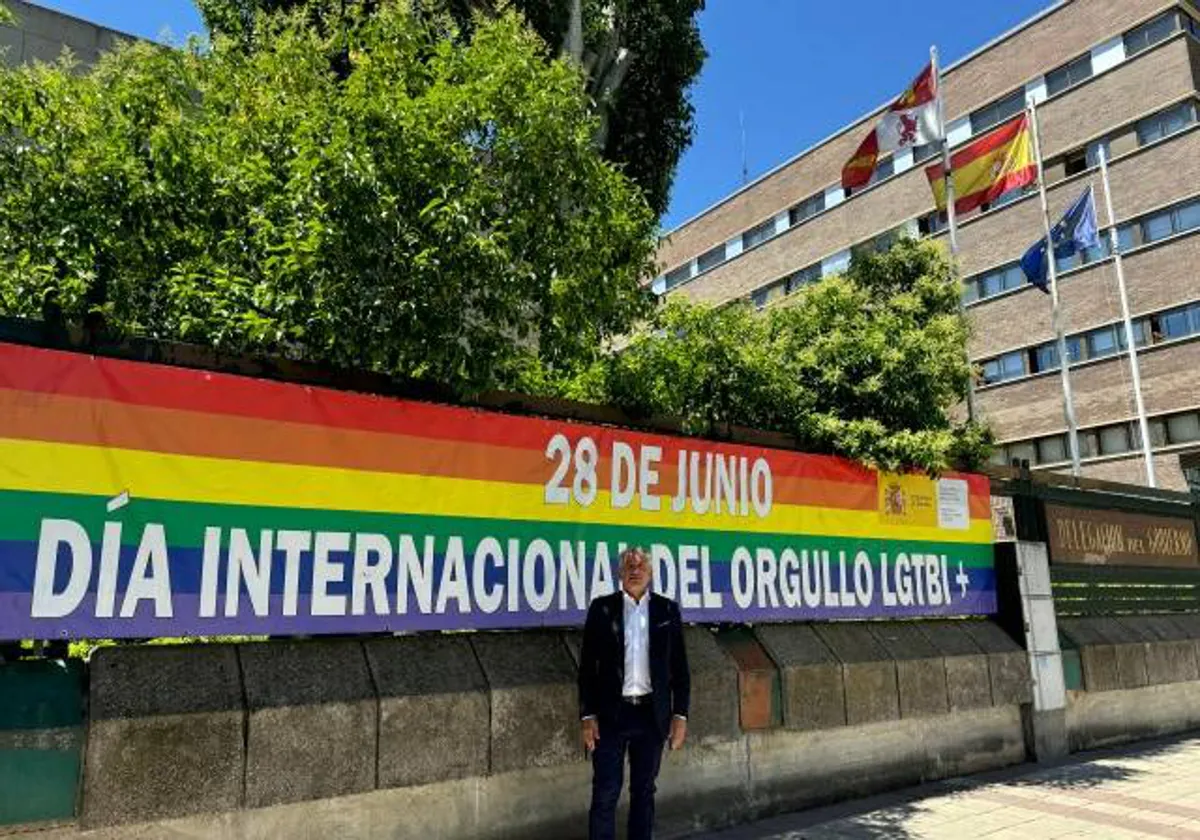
988 167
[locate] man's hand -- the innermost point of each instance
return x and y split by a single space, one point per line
678 732
591 734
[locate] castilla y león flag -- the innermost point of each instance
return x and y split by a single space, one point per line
912 120
984 170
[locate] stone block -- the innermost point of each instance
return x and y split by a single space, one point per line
759 690
1008 663
165 737
920 670
1129 647
714 711
869 674
968 683
1189 625
1097 658
1170 654
814 696
313 721
532 685
434 719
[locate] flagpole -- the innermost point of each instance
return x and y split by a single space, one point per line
1143 423
1063 359
951 220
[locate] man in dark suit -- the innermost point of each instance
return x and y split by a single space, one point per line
634 689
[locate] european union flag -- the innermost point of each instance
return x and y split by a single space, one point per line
1075 232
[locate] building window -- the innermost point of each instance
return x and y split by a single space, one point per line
884 169
806 209
1051 450
932 223
1069 74
1045 358
759 297
997 281
1075 162
711 259
1101 342
1093 152
1183 428
1160 225
1167 123
1176 323
1187 217
1023 451
678 275
1149 34
1114 439
1008 366
1158 433
758 234
926 151
1141 333
803 277
997 112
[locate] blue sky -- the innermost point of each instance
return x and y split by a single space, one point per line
793 70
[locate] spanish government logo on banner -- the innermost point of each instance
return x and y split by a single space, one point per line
988 167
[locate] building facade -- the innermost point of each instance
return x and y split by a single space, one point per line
1122 73
41 35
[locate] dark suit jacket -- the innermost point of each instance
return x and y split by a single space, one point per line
602 660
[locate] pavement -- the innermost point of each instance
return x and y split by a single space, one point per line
1149 790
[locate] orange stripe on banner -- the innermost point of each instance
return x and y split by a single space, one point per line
75 420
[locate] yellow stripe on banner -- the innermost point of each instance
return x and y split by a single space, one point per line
38 466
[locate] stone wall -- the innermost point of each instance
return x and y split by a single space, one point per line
1138 678
476 735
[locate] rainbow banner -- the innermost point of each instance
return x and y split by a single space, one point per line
142 500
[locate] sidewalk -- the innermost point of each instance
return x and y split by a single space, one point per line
1147 791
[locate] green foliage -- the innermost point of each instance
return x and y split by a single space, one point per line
6 15
438 212
641 99
868 365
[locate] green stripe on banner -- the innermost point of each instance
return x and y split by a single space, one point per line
21 514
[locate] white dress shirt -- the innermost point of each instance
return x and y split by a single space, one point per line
637 646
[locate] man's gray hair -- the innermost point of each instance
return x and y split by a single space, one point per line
635 551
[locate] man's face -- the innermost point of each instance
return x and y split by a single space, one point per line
635 573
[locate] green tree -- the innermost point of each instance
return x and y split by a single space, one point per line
6 15
640 58
440 212
870 365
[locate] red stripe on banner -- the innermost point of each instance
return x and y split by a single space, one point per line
66 373
108 423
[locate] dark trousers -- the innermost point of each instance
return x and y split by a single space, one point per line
634 731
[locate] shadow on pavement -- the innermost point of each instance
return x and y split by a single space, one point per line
891 815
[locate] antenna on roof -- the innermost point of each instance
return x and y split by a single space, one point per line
745 168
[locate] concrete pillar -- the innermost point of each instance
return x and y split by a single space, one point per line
312 721
434 716
166 734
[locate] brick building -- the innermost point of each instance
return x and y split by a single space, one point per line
1120 72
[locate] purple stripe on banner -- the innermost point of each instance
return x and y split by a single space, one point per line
979 598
